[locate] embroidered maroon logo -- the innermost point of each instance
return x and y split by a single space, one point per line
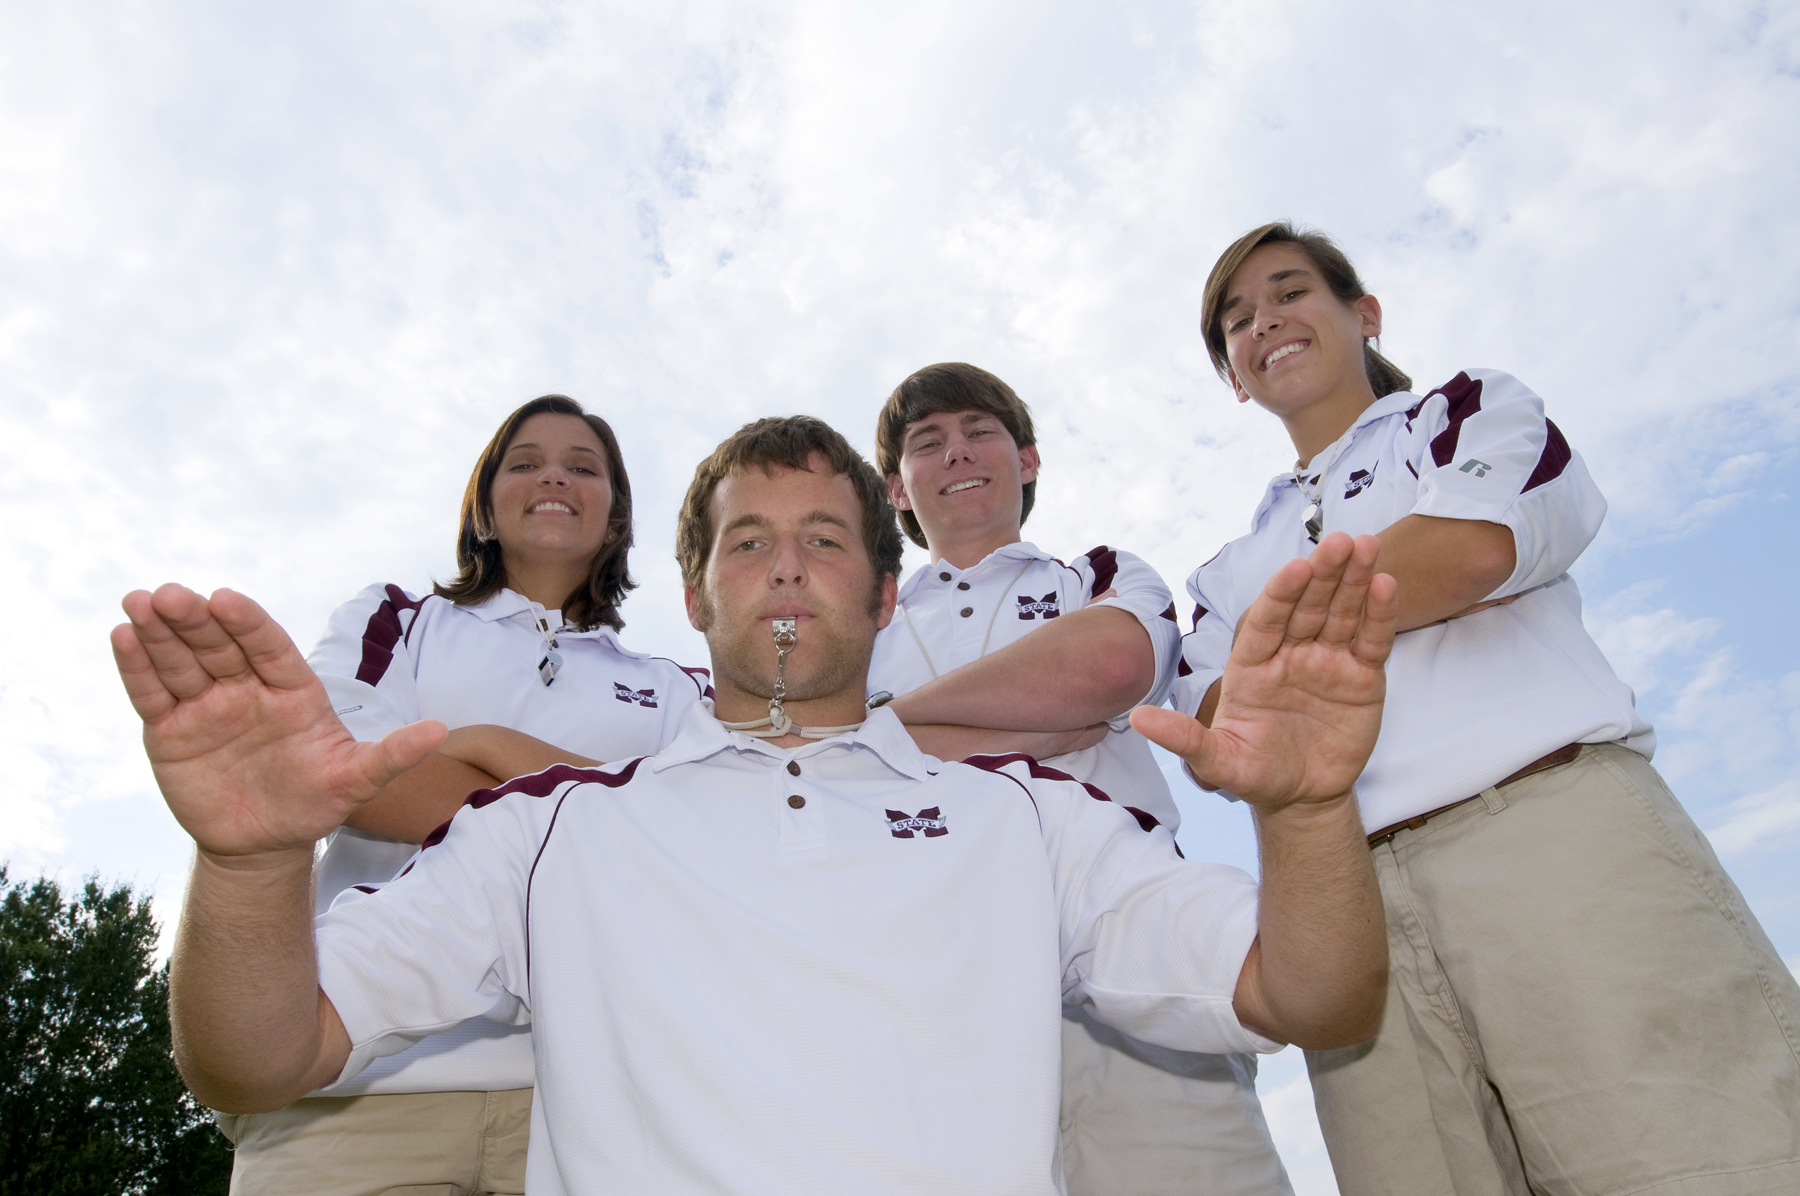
1048 606
1359 480
643 697
931 821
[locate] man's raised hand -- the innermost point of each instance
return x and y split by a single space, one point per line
240 734
1300 701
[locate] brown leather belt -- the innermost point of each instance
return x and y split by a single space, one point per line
1561 755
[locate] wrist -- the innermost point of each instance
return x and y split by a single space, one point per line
272 862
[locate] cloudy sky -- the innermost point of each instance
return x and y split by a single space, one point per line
269 277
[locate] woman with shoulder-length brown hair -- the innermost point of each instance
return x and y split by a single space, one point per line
519 656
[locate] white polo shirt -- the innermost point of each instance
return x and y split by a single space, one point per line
949 617
1469 700
388 659
827 969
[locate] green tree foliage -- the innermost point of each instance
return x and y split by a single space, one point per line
90 1101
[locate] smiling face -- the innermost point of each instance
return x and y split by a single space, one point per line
962 476
551 498
789 545
1292 345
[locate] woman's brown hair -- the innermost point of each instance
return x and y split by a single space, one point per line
478 555
1384 376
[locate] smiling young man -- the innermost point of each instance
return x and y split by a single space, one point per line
997 638
789 953
1580 1000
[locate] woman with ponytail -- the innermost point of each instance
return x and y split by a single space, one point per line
1579 1000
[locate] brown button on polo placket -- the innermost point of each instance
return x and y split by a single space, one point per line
796 801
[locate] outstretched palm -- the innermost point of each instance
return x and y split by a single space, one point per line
240 734
1300 701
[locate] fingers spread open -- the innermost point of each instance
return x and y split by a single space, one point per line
177 667
265 646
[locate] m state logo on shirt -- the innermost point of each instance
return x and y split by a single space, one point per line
643 697
931 821
1048 606
1359 480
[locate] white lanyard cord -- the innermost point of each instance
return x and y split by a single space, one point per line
998 603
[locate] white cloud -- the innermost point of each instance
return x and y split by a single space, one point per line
271 278
1761 822
1287 1102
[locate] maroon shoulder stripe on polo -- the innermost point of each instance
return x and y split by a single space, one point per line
1181 666
1171 616
1044 772
1552 461
1199 613
702 679
1464 394
1105 564
561 773
537 784
383 632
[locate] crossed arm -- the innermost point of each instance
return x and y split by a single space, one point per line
1046 694
425 796
1444 569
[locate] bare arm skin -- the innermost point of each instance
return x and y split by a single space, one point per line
1025 686
1445 567
1298 712
424 797
953 742
256 767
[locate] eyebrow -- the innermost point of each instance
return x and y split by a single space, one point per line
579 448
1278 276
934 422
760 522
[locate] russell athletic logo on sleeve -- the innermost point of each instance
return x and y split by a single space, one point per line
643 697
1048 606
1478 468
931 821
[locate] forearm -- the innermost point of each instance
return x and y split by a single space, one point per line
252 1031
1444 566
504 753
1083 668
421 799
951 742
1317 974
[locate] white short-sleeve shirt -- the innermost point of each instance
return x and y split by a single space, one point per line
827 969
949 617
389 658
1470 700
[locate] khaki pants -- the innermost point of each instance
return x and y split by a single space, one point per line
1140 1120
1579 1003
406 1144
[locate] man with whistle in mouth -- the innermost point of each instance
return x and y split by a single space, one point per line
748 964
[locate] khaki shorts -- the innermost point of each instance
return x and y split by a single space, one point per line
1140 1120
1579 1002
405 1144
